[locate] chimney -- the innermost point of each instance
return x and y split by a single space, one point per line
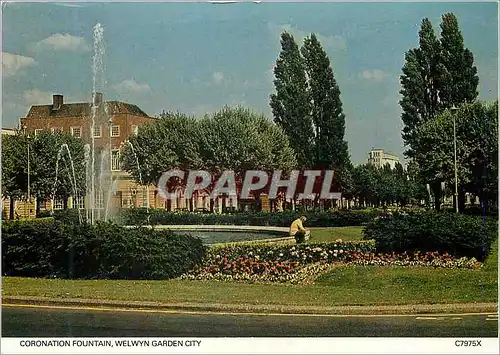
97 98
57 101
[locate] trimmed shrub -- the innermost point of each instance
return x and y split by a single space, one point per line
42 248
341 218
456 234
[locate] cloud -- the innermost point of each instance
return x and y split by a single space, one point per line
332 42
131 86
269 73
13 63
70 4
218 77
36 97
373 75
62 42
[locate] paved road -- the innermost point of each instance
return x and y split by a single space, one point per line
41 322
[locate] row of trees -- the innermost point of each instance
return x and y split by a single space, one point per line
42 153
372 186
439 76
233 139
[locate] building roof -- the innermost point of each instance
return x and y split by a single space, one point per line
9 131
83 109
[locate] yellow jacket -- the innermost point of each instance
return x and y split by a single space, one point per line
296 226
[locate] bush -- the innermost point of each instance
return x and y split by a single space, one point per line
67 216
48 248
341 218
456 234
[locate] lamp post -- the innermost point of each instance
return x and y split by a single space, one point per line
453 113
29 187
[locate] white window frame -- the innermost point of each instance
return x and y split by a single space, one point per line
79 130
115 160
135 129
38 131
144 198
56 130
79 202
100 131
111 131
58 204
99 200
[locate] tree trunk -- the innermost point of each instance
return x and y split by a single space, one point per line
12 207
436 190
38 204
65 203
461 201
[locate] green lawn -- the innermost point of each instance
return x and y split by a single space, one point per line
348 285
319 234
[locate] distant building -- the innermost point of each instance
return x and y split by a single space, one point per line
9 131
379 158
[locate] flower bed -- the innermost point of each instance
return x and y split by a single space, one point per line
302 263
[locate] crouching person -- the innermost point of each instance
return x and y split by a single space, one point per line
298 231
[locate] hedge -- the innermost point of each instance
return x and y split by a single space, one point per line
340 218
456 234
51 248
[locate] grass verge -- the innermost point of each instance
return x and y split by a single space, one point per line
331 234
342 286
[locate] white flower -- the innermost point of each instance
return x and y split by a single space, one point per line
281 254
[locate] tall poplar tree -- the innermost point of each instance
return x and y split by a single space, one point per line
326 108
290 104
459 75
420 84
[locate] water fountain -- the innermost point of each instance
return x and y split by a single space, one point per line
140 175
71 175
100 182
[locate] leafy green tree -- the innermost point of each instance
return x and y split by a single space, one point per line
169 142
436 76
327 114
459 79
477 150
290 104
420 84
46 152
231 139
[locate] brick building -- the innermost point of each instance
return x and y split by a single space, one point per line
121 121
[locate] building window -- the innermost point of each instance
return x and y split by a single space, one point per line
97 131
144 198
76 132
99 200
58 204
38 131
135 130
115 131
115 160
56 130
79 202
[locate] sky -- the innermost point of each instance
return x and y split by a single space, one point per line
197 57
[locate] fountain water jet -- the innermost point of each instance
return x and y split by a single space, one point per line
139 173
70 175
100 117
